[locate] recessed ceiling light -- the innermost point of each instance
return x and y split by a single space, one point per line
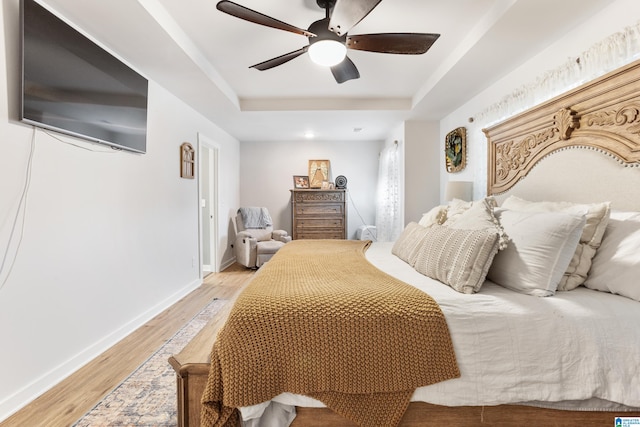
309 135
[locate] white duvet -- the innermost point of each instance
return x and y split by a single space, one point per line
578 350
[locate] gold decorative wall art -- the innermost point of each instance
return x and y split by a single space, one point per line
455 150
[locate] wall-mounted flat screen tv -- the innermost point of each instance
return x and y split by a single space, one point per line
72 85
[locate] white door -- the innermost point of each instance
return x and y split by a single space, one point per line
208 190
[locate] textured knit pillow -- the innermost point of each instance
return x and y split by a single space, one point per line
596 214
542 245
616 266
458 258
408 243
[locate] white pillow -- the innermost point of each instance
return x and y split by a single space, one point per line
480 216
542 245
436 215
616 266
596 214
456 207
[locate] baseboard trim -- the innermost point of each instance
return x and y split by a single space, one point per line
228 263
16 401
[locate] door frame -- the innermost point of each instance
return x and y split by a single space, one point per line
212 150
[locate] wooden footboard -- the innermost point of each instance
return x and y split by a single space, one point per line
192 368
427 415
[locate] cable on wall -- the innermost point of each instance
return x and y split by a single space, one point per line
113 149
358 212
21 211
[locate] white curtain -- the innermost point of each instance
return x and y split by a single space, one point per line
389 222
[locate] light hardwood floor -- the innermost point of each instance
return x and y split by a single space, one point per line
65 403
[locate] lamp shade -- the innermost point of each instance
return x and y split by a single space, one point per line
462 190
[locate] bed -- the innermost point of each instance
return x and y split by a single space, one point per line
551 341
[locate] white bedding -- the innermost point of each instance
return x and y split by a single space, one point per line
579 349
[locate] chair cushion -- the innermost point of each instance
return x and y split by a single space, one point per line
269 247
259 234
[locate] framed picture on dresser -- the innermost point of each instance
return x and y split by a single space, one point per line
300 181
318 172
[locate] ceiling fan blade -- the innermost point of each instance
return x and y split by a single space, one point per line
402 43
344 71
280 59
347 13
250 15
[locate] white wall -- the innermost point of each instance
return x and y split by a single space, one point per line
618 16
419 153
107 240
267 169
422 150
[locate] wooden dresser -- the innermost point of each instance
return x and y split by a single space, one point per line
319 214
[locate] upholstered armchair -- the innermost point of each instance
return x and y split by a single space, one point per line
256 240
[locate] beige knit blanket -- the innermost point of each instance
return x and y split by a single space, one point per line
319 320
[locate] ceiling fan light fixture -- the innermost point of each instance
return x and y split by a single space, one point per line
327 53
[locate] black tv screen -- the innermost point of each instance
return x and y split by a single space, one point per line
72 85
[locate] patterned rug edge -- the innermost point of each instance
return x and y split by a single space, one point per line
147 397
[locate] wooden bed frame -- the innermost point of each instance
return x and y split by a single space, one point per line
603 116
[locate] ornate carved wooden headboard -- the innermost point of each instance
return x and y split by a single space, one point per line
602 115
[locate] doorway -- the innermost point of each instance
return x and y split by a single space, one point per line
208 195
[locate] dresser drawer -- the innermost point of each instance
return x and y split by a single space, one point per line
309 234
319 196
325 223
319 209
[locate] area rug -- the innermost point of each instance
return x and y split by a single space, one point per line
148 396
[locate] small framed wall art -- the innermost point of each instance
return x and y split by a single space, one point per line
455 150
318 172
300 181
187 161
